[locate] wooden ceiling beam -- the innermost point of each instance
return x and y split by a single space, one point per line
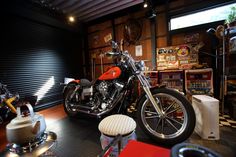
57 2
104 9
67 4
102 12
80 3
87 10
98 7
88 6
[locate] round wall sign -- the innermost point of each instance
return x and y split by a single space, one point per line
132 31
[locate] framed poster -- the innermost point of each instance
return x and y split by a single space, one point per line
138 50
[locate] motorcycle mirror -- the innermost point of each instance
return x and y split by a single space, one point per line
114 45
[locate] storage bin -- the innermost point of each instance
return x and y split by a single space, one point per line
207 116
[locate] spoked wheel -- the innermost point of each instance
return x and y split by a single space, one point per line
70 102
178 119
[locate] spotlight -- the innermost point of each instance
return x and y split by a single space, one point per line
71 19
145 5
211 31
151 13
212 34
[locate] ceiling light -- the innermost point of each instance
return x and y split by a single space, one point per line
71 19
145 5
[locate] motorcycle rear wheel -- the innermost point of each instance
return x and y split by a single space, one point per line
69 102
178 121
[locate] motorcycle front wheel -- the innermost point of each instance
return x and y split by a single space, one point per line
177 122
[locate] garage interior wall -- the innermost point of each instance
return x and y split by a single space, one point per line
114 24
37 52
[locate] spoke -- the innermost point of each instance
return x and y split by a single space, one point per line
172 124
170 106
158 124
174 110
175 120
162 126
152 117
151 112
159 102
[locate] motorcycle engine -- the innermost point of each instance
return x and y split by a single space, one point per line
109 90
103 88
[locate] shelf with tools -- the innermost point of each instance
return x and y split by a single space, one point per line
230 65
230 51
228 79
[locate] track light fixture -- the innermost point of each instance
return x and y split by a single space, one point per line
71 19
150 12
145 4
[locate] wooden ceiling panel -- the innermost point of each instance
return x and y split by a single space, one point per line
88 6
97 7
111 10
87 10
79 4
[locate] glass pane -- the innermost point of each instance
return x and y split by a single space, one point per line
202 17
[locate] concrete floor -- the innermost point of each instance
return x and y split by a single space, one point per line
80 137
226 146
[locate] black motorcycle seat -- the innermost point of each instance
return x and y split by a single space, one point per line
85 83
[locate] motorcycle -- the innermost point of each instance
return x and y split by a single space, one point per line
7 103
163 114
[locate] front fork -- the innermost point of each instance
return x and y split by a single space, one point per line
146 87
153 101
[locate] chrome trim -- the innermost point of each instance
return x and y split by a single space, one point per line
153 101
144 83
76 88
165 118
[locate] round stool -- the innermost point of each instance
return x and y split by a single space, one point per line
114 125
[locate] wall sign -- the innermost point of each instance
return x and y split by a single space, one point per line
108 38
176 57
138 50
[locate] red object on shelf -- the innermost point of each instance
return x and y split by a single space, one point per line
140 149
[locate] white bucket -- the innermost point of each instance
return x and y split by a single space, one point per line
106 140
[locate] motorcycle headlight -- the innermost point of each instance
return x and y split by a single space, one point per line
140 65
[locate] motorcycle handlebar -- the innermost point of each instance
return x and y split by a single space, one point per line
112 53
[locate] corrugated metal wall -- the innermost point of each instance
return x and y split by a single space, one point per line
35 57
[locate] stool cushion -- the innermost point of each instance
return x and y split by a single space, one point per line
117 124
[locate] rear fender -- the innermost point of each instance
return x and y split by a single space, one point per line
69 85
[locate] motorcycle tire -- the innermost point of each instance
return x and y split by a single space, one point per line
193 150
178 121
67 107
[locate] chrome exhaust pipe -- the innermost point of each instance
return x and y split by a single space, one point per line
98 115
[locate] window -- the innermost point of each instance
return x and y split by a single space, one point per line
201 17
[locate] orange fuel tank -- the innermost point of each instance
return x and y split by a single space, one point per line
111 74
